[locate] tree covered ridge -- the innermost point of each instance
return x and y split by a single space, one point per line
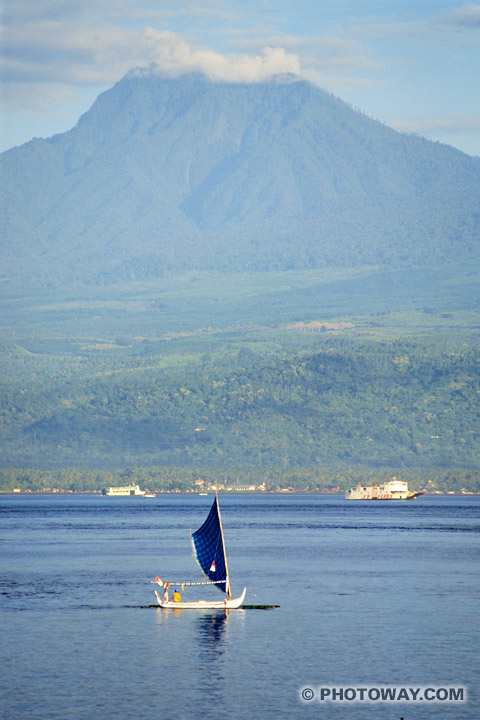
173 478
366 404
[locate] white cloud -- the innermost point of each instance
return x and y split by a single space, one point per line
325 53
56 53
93 43
71 54
172 54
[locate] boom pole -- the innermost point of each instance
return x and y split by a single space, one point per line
180 582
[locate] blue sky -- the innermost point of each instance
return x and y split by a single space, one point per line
414 65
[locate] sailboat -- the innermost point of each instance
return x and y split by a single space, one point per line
209 550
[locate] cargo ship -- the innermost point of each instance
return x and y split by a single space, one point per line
393 490
125 491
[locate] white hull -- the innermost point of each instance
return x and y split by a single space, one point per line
128 491
203 604
394 490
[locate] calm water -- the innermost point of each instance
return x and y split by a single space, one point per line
369 594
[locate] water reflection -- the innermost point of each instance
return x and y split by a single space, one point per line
206 637
212 632
212 641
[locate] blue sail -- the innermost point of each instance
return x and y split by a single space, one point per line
210 551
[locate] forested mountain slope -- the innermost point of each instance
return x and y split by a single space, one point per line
404 403
167 174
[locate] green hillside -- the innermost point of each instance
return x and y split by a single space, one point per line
295 377
409 402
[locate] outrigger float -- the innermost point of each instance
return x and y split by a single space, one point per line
209 551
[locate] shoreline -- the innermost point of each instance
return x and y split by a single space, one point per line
221 492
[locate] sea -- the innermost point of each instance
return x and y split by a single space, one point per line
370 595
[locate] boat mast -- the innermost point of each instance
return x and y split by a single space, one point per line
227 589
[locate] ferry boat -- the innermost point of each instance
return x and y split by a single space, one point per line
393 490
125 491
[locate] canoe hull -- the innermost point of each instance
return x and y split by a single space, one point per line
203 604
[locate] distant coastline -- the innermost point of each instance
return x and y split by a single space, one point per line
230 491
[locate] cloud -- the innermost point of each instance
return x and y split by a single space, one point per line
53 51
93 43
466 16
325 53
174 55
43 98
461 19
62 53
445 124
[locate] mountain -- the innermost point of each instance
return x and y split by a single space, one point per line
167 174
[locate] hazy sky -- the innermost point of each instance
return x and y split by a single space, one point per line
414 64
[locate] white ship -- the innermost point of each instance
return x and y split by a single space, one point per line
393 490
125 491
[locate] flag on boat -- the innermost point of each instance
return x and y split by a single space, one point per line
209 549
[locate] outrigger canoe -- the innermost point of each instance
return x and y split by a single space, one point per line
227 604
209 550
